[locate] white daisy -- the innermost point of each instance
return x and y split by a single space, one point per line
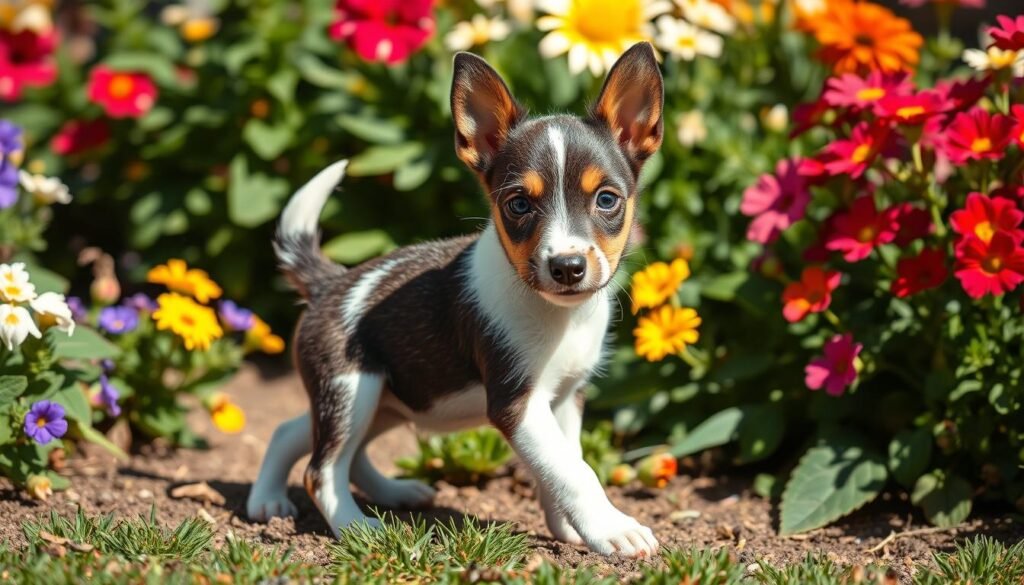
46 190
16 325
995 59
53 310
685 40
707 14
14 283
691 129
477 31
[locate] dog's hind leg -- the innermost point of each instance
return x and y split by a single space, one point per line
269 494
381 489
347 404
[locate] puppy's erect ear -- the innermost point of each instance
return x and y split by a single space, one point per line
484 111
631 104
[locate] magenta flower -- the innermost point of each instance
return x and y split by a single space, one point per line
836 369
45 422
852 91
775 201
383 31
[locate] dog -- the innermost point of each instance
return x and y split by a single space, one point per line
504 327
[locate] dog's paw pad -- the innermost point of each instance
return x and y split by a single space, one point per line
262 509
404 493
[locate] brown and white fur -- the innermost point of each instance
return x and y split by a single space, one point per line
504 327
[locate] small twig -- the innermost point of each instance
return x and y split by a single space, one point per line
893 535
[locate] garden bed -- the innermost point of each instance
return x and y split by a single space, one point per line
692 511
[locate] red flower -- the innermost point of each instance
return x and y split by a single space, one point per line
808 115
837 368
812 294
993 268
921 272
77 136
1009 35
775 202
25 61
910 110
914 223
852 91
1018 130
958 96
983 217
977 135
387 31
854 155
122 94
860 229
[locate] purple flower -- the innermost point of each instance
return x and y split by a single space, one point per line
107 398
235 317
118 319
10 139
8 184
45 422
78 310
141 303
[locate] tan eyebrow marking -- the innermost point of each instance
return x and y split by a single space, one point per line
591 179
533 183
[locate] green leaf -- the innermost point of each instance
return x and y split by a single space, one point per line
945 499
379 160
282 84
44 279
909 454
320 74
719 429
725 286
760 432
93 436
75 404
253 198
355 247
267 141
412 175
85 344
834 478
12 387
372 129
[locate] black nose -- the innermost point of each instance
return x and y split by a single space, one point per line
568 270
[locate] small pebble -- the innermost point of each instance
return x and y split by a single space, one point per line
145 494
684 516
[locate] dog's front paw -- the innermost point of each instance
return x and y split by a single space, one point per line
263 507
620 535
403 493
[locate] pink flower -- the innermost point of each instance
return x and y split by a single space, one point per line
854 155
852 91
775 202
977 135
910 110
386 31
121 94
958 96
914 223
860 229
837 368
25 61
77 136
1009 35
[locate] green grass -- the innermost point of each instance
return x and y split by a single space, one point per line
101 549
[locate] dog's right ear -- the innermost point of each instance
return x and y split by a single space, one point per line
484 111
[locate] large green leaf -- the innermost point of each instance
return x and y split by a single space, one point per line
834 478
355 247
379 160
76 405
909 453
945 498
85 344
268 141
93 436
721 428
11 387
372 129
253 198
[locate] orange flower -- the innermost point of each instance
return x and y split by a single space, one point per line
858 37
656 470
813 294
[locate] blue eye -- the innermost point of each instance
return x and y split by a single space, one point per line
518 205
607 201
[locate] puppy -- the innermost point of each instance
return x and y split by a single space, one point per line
502 327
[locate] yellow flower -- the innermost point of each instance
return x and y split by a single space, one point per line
653 285
227 416
177 276
195 324
595 32
198 29
666 331
259 337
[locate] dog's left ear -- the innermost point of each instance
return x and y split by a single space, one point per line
484 111
631 104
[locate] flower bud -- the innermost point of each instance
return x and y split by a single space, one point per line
621 474
105 290
656 470
39 487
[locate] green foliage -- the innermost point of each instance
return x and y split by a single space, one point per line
818 570
945 498
837 476
976 561
599 450
460 458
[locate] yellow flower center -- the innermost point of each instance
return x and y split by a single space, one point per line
1000 59
984 231
12 319
40 422
121 86
860 154
907 112
12 290
981 145
992 264
867 233
871 94
686 42
606 21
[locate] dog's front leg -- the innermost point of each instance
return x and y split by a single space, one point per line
537 438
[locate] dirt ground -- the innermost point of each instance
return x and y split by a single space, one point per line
698 511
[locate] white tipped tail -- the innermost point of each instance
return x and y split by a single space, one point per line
298 239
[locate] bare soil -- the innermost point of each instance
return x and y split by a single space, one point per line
691 511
